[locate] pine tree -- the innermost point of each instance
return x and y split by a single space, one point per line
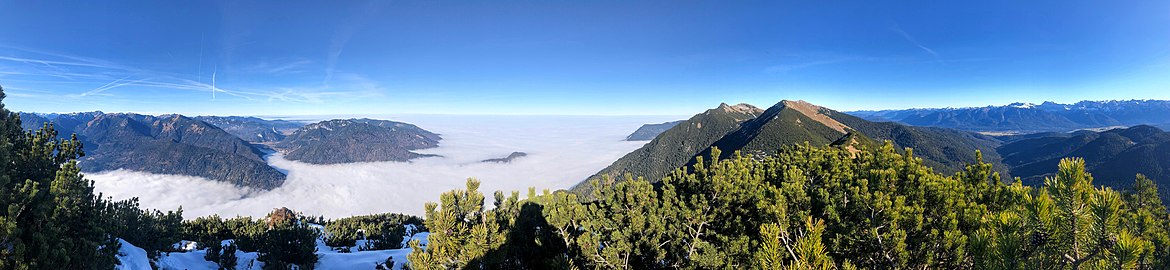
50 217
461 232
1146 216
287 242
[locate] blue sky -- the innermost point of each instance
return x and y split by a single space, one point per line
573 57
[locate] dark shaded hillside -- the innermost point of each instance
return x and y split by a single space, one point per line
507 159
945 150
677 145
175 144
649 131
1005 118
167 144
356 140
1113 156
253 129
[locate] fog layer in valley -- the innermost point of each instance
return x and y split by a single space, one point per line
562 150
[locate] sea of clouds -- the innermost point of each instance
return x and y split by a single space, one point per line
562 151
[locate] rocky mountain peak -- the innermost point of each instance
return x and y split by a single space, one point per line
740 108
818 113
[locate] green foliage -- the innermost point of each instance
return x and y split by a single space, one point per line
223 256
809 207
381 231
152 230
287 241
676 146
465 232
49 216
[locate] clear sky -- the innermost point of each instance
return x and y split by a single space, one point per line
573 57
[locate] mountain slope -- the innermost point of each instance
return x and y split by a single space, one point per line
1113 157
945 150
168 144
356 140
677 145
788 123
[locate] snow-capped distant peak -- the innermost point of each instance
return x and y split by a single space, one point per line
1022 105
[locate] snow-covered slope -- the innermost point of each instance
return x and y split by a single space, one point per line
134 258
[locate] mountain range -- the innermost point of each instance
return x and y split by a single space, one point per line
228 149
166 144
1114 156
253 129
751 130
1021 118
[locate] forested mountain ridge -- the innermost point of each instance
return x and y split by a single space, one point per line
945 150
357 140
200 146
1111 156
787 123
166 144
677 145
1029 118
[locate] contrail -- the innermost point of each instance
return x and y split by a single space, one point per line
213 88
914 41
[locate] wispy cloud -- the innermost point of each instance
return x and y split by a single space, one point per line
114 84
803 61
785 68
98 78
348 86
278 66
897 29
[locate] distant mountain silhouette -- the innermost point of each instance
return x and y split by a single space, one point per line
649 131
356 140
509 158
253 129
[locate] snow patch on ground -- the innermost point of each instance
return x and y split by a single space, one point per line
134 258
193 260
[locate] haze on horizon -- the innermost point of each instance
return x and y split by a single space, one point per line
567 58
